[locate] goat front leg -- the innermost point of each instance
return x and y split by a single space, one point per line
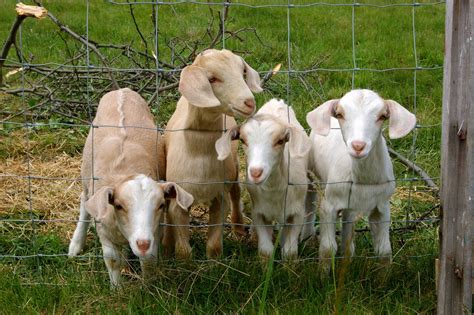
291 234
79 237
347 243
236 211
217 215
113 260
178 219
264 231
308 230
379 221
328 245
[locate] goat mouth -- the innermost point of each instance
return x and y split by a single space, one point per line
242 113
257 181
359 156
140 254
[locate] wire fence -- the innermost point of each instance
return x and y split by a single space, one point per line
161 73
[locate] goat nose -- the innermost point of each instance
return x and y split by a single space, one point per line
358 146
256 172
143 245
250 103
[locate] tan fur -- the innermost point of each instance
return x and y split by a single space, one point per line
189 144
124 146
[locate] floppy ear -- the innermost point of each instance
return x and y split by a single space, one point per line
252 78
100 204
299 143
195 87
401 121
319 119
174 191
223 144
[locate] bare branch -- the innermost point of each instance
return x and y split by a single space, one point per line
86 42
416 168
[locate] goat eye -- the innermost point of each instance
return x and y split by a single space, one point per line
339 116
119 207
212 80
382 118
280 142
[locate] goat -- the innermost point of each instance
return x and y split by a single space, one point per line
124 150
277 149
355 166
217 85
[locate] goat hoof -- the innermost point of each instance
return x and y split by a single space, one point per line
239 231
74 249
183 253
213 251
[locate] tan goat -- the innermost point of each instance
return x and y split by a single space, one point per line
125 152
217 85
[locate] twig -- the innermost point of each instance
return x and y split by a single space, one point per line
23 11
270 74
416 168
88 43
161 89
138 30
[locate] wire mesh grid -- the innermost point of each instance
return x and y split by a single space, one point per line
159 73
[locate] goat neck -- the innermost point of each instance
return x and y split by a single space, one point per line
375 168
198 118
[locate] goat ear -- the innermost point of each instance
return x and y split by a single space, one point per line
100 204
223 144
252 78
319 119
401 120
299 143
195 87
174 191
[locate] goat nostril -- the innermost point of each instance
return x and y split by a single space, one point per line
143 245
250 103
256 172
358 145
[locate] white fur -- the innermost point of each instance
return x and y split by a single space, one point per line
358 183
144 196
277 146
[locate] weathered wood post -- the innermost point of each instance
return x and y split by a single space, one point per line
457 162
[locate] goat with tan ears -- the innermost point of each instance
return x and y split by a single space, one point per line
277 150
125 152
350 156
217 86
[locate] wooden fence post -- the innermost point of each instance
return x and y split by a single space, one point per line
457 162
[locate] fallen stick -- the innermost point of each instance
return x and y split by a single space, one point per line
23 11
416 168
86 42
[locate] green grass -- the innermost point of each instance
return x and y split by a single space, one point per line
235 284
320 38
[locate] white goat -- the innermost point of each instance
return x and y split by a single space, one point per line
218 83
277 149
124 151
355 165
